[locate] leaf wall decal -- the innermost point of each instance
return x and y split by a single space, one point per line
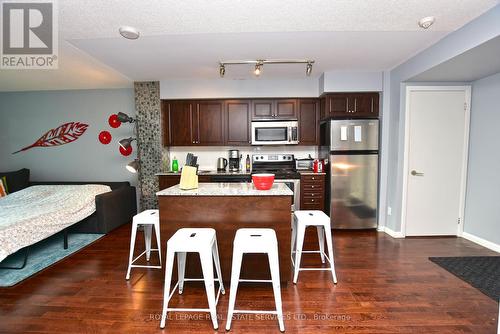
61 135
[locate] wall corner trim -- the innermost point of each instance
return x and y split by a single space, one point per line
482 242
394 234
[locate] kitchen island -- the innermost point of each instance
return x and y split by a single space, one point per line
227 207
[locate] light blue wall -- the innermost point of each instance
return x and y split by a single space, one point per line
482 209
25 116
469 36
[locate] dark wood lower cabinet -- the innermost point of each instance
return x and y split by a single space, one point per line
169 180
312 192
227 214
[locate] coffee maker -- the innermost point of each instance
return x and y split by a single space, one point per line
234 160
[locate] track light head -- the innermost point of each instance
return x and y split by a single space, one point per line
124 118
258 69
309 68
133 166
222 70
126 142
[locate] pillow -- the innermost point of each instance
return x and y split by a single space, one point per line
17 180
3 192
3 180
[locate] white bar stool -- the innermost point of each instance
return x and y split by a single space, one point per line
193 240
149 219
301 220
255 240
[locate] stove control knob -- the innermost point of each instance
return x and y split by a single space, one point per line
261 157
256 158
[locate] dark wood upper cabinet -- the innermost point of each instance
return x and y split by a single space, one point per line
208 125
286 109
308 112
263 109
165 123
274 109
365 104
350 105
238 122
180 119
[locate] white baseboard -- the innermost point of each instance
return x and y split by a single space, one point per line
392 233
480 241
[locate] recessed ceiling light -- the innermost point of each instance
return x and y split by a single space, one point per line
129 32
426 22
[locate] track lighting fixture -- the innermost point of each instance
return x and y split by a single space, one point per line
259 64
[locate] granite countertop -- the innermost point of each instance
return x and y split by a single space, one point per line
227 189
205 172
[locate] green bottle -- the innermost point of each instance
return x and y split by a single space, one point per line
175 165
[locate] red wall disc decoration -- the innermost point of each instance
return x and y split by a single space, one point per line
105 137
113 121
126 151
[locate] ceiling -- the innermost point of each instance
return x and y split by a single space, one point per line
474 64
186 39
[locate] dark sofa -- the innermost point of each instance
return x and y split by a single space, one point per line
113 208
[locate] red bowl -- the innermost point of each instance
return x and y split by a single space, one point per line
263 181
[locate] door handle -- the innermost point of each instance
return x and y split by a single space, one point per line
415 173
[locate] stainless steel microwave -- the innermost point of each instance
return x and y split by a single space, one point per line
275 133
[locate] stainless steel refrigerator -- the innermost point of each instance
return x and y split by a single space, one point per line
351 147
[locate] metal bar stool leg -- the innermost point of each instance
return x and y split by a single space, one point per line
298 253
235 276
275 277
329 244
181 268
208 276
158 242
321 241
166 289
131 253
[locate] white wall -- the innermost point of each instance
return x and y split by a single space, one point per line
352 81
25 116
482 212
207 156
332 81
228 88
469 36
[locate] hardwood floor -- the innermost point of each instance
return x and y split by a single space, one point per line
385 286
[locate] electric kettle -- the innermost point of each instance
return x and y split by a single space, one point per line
221 164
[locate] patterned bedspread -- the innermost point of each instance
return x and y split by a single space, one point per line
35 213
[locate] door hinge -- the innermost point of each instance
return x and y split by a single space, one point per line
459 220
465 105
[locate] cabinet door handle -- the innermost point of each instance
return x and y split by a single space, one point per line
312 186
312 200
312 178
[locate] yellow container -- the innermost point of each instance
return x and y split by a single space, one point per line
189 178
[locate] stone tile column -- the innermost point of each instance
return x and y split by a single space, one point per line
149 142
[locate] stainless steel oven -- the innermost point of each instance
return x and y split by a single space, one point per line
294 185
275 133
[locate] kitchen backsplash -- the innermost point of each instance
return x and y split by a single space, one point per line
207 155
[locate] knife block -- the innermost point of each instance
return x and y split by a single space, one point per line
189 178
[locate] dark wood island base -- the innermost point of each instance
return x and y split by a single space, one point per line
226 214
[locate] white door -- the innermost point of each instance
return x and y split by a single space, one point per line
437 135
